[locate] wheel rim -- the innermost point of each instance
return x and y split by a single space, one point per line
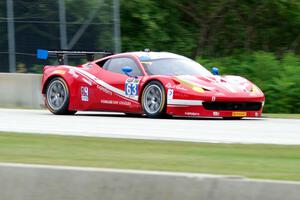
56 95
153 99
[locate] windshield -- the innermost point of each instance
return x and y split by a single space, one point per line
174 67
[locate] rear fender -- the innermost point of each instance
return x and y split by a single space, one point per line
51 72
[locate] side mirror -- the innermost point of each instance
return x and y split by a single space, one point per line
127 70
215 71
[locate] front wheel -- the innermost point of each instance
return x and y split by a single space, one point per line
154 100
57 97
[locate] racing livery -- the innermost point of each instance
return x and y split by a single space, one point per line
153 83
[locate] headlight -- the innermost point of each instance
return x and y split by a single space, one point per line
255 89
198 89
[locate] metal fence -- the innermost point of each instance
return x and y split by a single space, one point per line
26 25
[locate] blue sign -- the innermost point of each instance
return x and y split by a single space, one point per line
42 54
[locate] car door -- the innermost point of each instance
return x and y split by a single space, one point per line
121 90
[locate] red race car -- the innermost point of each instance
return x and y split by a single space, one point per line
153 83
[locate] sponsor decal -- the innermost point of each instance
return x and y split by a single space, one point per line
192 113
216 113
178 87
239 114
103 89
170 93
114 102
126 103
84 93
108 101
132 87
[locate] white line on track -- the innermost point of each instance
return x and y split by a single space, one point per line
114 125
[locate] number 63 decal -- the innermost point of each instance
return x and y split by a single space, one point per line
131 87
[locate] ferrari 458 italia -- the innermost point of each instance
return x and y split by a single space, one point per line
156 84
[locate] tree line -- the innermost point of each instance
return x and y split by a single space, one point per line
259 40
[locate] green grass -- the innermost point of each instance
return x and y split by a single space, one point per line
282 115
255 161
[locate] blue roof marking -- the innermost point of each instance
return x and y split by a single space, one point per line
144 58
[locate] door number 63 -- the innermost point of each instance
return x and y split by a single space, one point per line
131 89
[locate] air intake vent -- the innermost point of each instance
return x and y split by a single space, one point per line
250 106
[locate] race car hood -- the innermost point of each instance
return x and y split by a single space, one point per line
226 85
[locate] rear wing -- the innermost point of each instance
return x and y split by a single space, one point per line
90 55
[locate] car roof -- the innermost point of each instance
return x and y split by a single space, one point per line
146 56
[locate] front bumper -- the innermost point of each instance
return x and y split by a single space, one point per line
201 111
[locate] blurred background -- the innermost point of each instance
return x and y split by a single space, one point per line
259 40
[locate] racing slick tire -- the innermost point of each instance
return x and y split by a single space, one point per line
154 100
57 97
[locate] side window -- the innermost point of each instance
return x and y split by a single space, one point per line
103 63
116 65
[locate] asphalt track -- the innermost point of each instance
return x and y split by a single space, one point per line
117 125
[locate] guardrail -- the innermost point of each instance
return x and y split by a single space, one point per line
20 90
37 182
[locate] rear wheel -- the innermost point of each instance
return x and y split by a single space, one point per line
57 97
154 99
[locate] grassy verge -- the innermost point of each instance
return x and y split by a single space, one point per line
281 115
255 161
